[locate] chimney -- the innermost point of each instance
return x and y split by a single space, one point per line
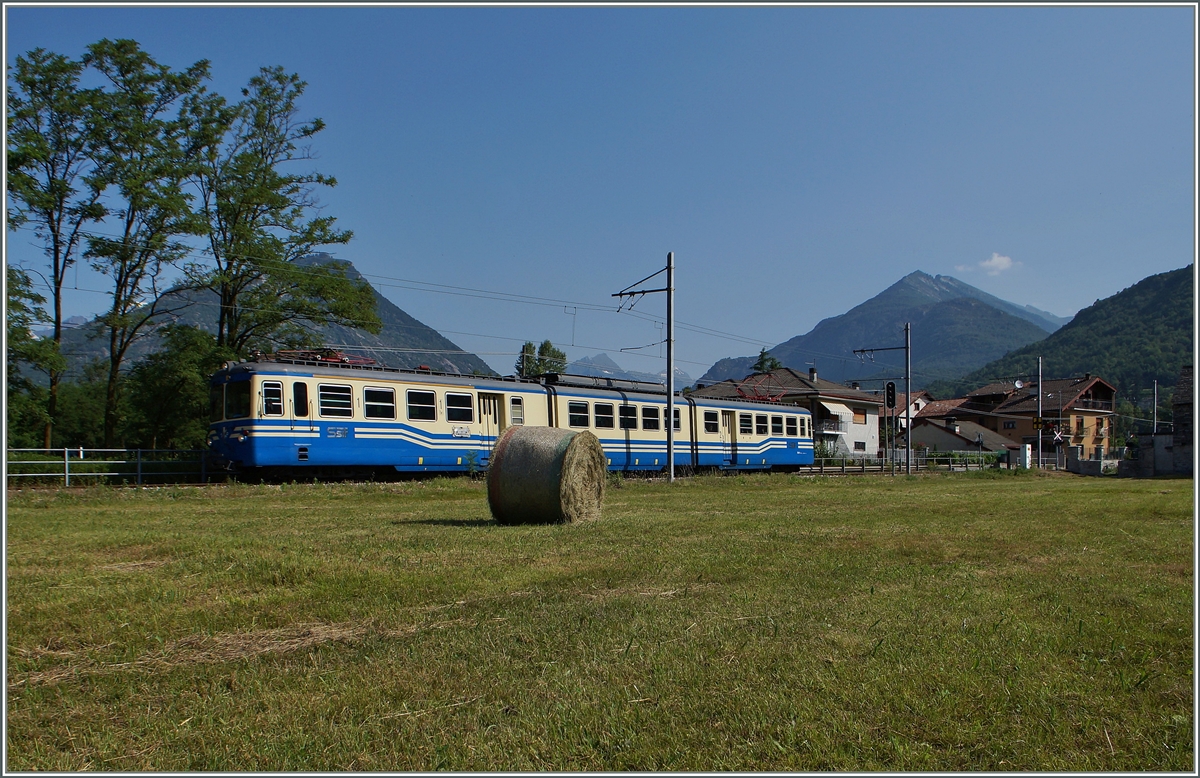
812 374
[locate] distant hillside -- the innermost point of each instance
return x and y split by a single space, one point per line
955 328
602 365
404 342
1138 335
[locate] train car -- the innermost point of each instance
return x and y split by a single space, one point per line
314 416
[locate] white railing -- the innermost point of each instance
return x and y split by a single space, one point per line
92 465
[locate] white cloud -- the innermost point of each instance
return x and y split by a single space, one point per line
963 268
998 264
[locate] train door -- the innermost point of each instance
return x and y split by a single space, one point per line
491 417
300 415
728 438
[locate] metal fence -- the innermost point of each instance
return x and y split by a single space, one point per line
922 462
79 466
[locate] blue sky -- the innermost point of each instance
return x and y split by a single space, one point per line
796 160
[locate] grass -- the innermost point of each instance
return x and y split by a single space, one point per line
981 621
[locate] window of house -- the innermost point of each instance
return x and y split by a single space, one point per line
710 422
860 445
860 417
1010 425
776 425
791 426
335 400
1079 424
460 407
379 403
272 398
300 399
628 415
650 417
577 414
237 400
516 411
745 424
760 424
422 405
604 416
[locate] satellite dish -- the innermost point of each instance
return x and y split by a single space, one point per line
1018 384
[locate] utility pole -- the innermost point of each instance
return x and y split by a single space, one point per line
1155 406
629 291
908 398
1039 412
907 348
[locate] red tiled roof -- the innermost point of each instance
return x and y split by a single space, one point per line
939 408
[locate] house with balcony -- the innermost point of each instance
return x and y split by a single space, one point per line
845 419
1075 412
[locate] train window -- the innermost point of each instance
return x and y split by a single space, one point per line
745 424
300 399
516 412
628 417
422 406
677 425
776 425
604 416
216 403
460 407
760 424
577 414
335 400
379 403
237 400
710 422
791 426
650 417
272 398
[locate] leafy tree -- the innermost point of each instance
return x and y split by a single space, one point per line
546 359
52 178
259 219
142 162
82 409
26 402
766 363
168 390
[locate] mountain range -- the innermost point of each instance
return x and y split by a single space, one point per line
602 365
956 328
403 342
1141 334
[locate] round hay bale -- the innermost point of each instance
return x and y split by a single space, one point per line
542 475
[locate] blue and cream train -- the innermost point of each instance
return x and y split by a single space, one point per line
301 417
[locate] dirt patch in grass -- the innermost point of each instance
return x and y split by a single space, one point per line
208 649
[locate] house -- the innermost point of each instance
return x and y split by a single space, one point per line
1075 412
845 419
951 434
913 404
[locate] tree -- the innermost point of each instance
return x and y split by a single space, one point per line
142 162
26 402
52 177
260 219
546 359
168 390
766 363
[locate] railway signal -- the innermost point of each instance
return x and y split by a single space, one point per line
889 394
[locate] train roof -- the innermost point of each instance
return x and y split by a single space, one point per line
308 367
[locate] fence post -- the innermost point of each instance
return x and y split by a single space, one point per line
66 467
139 467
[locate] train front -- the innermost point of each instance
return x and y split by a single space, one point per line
229 413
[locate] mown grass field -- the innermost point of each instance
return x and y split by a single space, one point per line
979 621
